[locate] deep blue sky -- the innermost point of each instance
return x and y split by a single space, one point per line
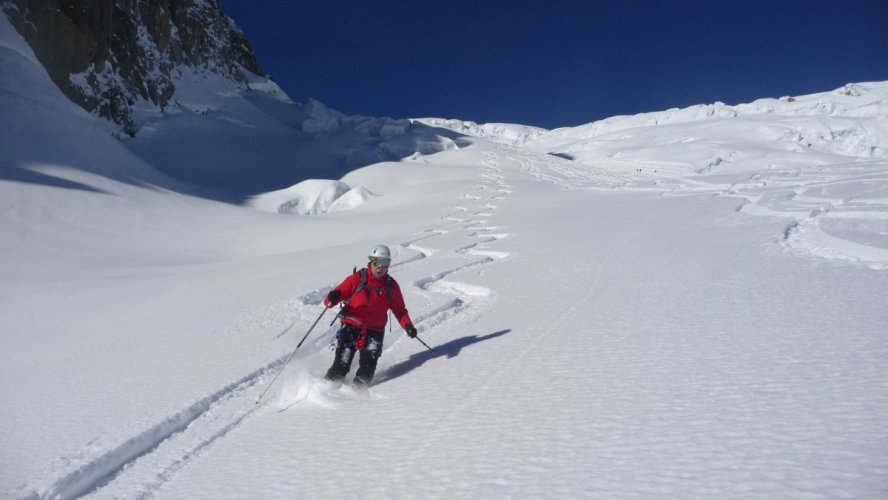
559 62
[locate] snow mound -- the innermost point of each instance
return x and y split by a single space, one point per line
320 118
312 197
504 133
416 145
268 86
351 199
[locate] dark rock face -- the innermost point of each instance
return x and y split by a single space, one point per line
106 55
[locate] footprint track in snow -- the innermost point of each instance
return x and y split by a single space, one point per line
463 292
464 296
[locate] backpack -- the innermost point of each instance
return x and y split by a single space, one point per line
362 282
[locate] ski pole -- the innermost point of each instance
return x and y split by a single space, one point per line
341 310
423 343
291 355
338 315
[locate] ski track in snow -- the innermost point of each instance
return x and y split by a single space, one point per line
444 425
461 297
836 211
141 465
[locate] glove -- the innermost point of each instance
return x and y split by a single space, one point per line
411 330
333 297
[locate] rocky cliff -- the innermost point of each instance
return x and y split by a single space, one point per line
112 55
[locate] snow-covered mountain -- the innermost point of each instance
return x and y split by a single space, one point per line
182 81
846 124
684 303
842 125
123 60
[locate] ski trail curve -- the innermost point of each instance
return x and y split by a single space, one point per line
469 221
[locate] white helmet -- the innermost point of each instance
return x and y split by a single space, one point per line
381 252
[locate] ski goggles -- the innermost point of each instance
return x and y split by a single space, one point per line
381 263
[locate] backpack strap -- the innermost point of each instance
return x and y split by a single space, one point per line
362 283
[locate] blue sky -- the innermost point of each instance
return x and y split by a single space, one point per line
559 62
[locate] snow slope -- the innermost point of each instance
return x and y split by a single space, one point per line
598 331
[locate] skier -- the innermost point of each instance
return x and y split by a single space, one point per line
367 295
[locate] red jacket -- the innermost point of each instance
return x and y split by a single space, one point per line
368 308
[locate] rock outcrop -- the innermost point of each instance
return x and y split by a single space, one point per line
111 55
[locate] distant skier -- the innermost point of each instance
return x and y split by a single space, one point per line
368 294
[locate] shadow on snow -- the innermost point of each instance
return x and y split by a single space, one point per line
450 349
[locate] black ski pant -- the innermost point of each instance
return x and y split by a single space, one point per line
346 348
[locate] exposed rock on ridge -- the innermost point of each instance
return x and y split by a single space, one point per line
107 55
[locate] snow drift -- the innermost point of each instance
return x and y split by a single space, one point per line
312 197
